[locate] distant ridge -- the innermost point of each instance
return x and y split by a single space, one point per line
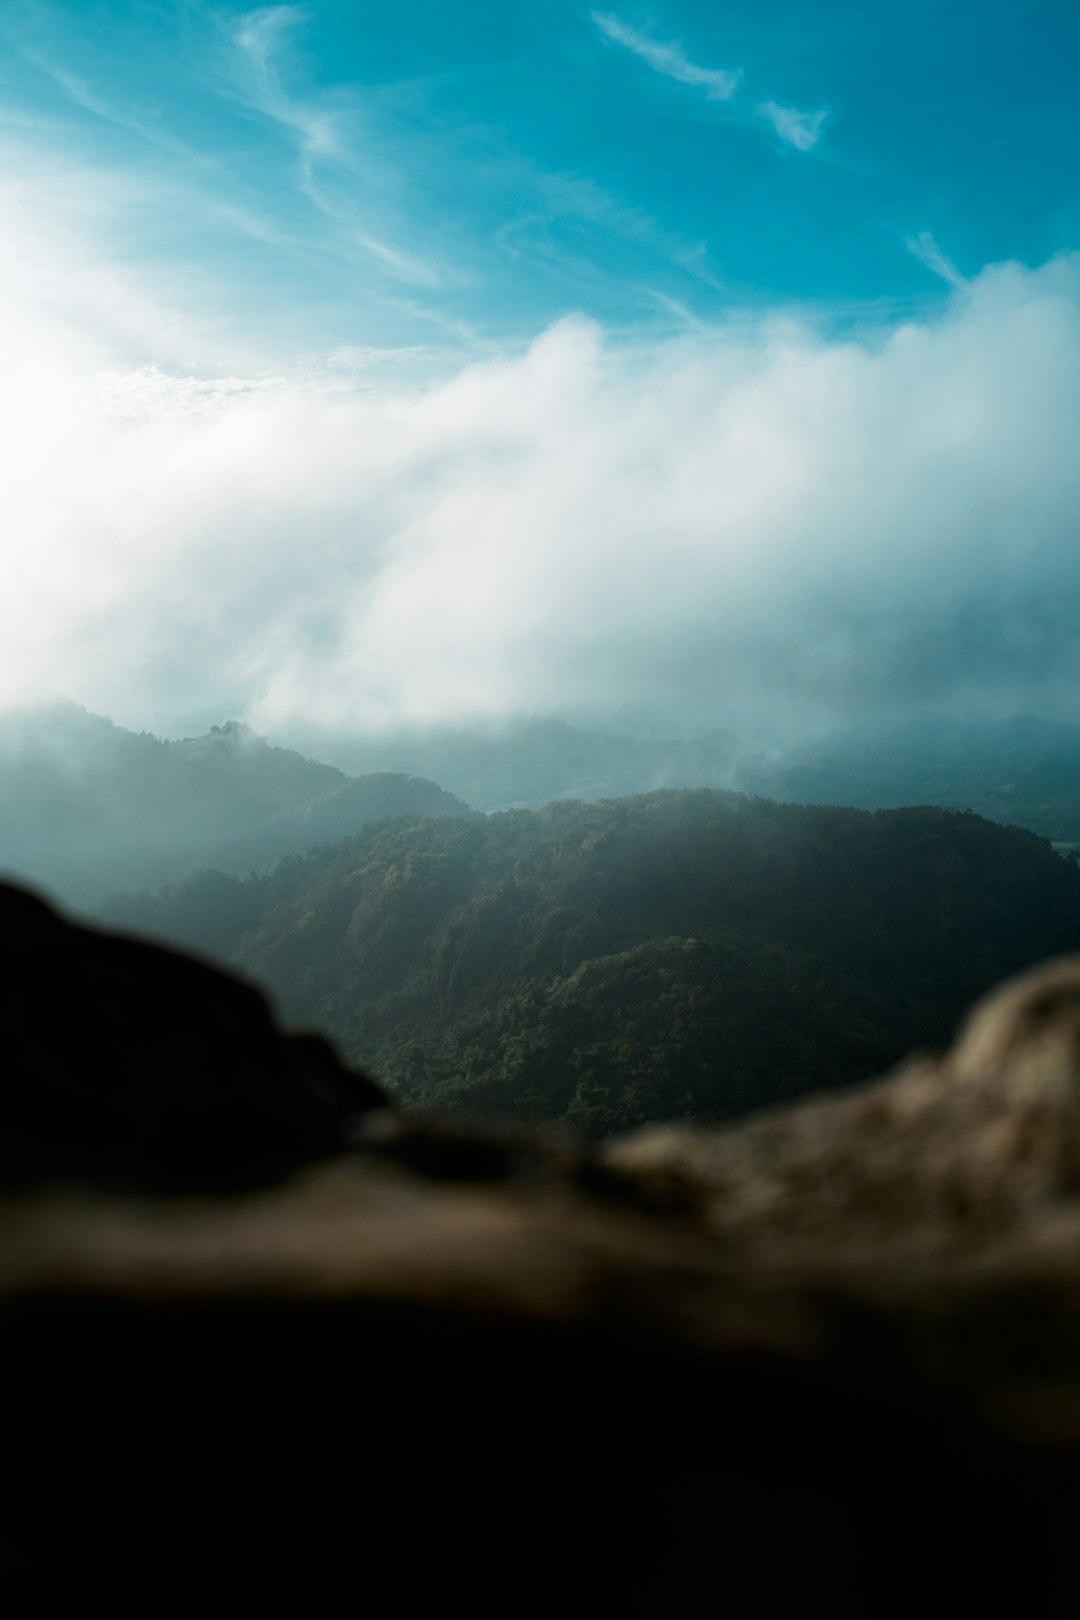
1023 770
533 761
87 807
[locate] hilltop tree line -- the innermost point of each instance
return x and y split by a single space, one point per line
678 954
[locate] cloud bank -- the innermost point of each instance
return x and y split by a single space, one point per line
760 519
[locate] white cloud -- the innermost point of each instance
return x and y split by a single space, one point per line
358 357
795 127
928 253
758 514
84 95
799 129
260 36
322 137
719 84
66 306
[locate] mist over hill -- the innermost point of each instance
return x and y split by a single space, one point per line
87 807
1023 770
680 954
533 760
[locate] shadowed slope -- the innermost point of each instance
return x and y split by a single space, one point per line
828 1355
138 1065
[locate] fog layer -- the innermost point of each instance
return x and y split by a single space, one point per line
760 521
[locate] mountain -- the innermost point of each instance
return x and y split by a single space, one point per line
679 954
528 763
1023 771
87 807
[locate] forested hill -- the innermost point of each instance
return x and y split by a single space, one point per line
87 807
687 954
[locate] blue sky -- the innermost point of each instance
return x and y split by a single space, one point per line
685 366
343 173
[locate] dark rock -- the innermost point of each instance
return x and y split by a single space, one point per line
828 1359
126 1064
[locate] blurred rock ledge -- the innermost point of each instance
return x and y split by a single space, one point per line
268 1344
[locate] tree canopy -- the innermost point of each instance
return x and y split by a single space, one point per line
677 954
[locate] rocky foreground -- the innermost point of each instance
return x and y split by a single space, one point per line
268 1344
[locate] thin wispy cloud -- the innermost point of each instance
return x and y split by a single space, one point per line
596 218
719 84
406 265
696 262
321 136
802 130
347 218
675 306
796 128
926 250
84 95
259 36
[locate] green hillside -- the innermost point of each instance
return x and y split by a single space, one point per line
686 954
